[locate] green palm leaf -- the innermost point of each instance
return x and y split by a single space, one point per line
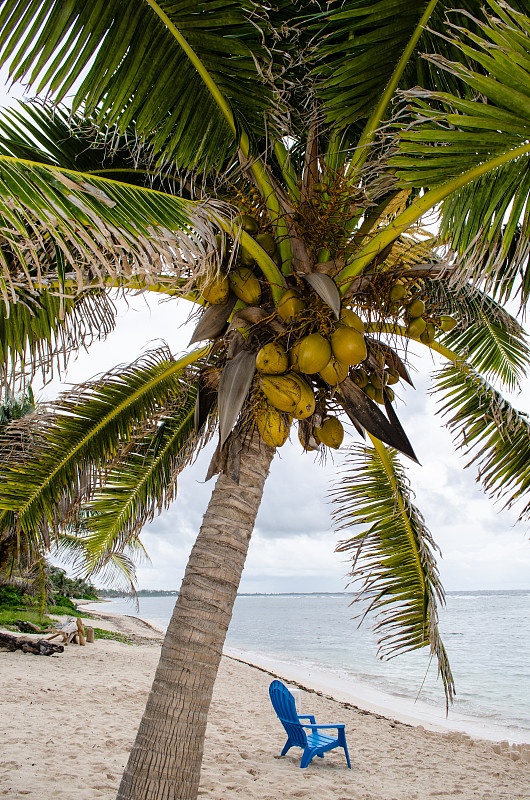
491 430
142 481
58 225
487 336
185 73
40 330
392 556
42 482
485 218
119 567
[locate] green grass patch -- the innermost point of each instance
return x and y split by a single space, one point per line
99 633
9 615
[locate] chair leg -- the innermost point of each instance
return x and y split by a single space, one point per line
306 758
287 746
347 755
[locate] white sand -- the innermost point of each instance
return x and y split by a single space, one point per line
68 721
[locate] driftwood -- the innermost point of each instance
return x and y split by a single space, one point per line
39 647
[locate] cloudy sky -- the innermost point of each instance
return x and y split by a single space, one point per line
292 548
293 544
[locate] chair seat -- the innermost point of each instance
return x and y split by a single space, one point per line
320 740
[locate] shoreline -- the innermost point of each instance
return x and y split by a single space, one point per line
68 721
367 698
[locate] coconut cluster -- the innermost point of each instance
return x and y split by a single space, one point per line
306 345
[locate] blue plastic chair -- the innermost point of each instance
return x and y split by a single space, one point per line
314 743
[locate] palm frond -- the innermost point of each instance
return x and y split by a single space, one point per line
119 569
392 556
142 480
60 459
487 336
58 226
484 218
41 330
491 430
186 74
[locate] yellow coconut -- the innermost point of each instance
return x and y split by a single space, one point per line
351 319
348 345
306 405
416 327
272 359
290 304
331 433
245 285
391 377
447 323
310 354
416 309
334 372
215 291
288 392
273 428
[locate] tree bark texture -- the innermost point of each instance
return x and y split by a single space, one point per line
165 761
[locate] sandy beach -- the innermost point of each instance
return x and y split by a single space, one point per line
67 723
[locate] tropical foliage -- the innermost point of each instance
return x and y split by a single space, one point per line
273 164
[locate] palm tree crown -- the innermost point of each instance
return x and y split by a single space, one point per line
272 164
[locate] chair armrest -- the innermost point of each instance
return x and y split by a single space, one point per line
310 717
340 725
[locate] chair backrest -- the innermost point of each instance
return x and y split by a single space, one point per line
285 707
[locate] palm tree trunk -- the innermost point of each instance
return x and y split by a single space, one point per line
165 761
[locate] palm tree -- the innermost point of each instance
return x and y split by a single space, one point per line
272 164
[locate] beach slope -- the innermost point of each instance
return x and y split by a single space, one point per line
67 723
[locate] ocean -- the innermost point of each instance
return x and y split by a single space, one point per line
313 638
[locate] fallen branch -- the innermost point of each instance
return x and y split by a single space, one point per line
39 647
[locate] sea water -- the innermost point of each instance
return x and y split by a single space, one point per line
315 637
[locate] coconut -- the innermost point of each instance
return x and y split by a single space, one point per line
360 378
351 319
348 345
416 327
248 223
376 381
289 393
310 354
390 394
331 433
391 377
215 291
267 242
245 285
447 323
398 291
370 390
290 304
246 259
334 372
307 403
311 443
273 428
416 309
428 334
272 359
